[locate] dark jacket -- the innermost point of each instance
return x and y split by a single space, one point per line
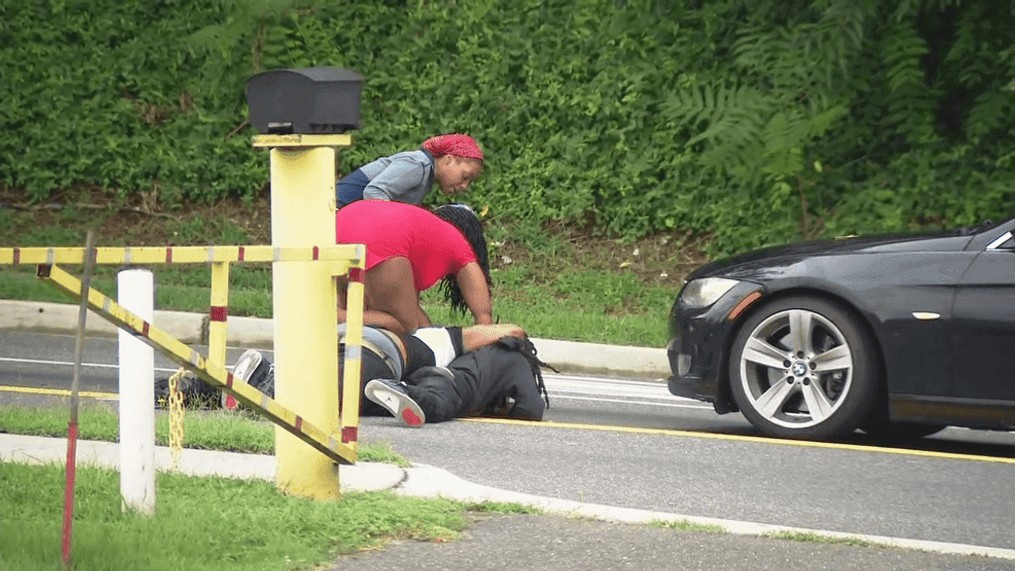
480 382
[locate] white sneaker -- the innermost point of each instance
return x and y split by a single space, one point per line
391 396
246 365
244 371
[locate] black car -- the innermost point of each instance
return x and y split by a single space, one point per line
893 335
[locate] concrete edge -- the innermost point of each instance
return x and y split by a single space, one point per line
428 481
192 329
603 359
361 477
62 318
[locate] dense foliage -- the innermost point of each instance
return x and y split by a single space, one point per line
756 121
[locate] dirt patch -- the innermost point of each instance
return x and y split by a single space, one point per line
661 259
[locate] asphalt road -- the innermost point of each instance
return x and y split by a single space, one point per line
627 442
566 544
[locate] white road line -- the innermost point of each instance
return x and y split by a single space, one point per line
563 387
645 392
704 406
83 365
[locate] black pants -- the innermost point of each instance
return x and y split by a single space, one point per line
483 379
371 367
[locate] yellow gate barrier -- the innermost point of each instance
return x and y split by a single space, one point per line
344 259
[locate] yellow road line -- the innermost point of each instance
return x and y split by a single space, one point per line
60 392
634 430
757 439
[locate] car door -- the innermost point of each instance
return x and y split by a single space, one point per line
982 329
912 300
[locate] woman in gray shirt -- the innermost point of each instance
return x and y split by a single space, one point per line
453 161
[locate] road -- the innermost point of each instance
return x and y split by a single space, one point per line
627 442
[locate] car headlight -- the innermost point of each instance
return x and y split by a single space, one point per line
705 291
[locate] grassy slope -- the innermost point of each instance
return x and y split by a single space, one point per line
563 284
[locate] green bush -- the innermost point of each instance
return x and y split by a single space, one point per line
755 122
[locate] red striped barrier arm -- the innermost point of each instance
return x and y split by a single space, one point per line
212 373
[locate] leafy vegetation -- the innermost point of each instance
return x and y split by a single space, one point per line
752 122
204 523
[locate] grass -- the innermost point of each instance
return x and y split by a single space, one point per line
571 308
196 518
684 525
202 523
558 283
817 538
210 430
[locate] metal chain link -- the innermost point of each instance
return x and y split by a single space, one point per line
176 412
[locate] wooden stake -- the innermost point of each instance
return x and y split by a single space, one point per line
72 426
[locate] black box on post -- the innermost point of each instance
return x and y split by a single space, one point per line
313 100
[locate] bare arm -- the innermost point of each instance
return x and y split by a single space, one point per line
478 336
472 282
375 318
424 319
390 301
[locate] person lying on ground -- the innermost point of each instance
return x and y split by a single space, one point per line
408 250
454 161
388 355
502 379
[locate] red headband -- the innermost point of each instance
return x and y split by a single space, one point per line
456 145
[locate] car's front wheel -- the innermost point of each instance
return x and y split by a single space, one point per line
802 367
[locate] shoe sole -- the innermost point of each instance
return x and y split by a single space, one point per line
242 370
246 365
399 404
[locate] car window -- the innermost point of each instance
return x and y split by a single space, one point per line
1005 241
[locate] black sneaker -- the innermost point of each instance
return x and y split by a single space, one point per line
391 395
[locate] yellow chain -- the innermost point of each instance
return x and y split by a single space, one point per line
176 418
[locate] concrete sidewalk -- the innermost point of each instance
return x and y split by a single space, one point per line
192 329
739 538
361 477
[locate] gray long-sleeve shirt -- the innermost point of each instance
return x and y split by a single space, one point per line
402 177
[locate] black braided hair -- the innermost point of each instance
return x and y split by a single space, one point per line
463 218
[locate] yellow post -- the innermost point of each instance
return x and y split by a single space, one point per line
306 339
219 312
217 328
353 356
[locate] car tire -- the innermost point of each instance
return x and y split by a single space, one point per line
802 367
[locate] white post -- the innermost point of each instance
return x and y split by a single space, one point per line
136 292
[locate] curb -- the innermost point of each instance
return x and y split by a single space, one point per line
258 333
431 482
361 477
